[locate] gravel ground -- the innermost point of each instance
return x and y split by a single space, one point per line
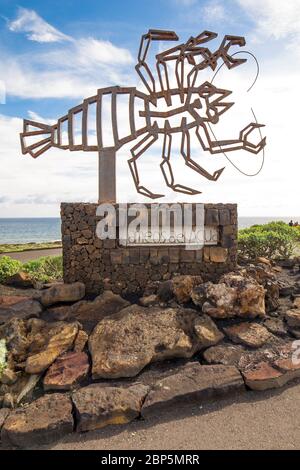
25 256
254 420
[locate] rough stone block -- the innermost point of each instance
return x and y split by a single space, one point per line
43 421
193 383
218 254
224 217
212 217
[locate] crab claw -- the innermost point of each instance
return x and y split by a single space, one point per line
217 174
180 188
249 146
146 192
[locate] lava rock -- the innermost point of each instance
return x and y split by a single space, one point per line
266 376
252 335
193 383
57 339
41 422
67 371
89 313
62 293
226 354
20 279
80 341
276 326
24 309
97 406
234 296
123 344
293 318
207 331
4 412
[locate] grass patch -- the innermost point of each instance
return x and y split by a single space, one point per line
49 268
46 269
15 248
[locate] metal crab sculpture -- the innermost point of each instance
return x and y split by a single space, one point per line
203 104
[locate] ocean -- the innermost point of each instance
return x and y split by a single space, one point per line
36 230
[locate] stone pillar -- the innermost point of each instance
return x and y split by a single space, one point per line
128 269
107 176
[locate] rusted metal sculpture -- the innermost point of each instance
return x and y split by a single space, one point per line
203 104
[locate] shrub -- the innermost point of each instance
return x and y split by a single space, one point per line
8 267
274 240
45 269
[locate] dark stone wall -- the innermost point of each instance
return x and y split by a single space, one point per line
127 270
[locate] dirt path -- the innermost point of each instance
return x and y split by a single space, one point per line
25 256
254 420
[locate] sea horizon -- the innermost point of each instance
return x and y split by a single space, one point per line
17 230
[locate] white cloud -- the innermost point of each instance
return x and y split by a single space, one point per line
37 29
71 70
213 11
34 188
274 18
92 51
37 118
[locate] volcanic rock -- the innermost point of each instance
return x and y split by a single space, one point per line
63 293
43 421
207 331
149 300
8 300
97 406
226 354
123 344
67 371
180 288
4 412
57 339
80 341
234 296
293 318
272 375
89 313
24 309
276 326
263 377
193 383
183 286
252 335
20 279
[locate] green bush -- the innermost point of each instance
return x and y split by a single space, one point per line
274 241
8 267
45 269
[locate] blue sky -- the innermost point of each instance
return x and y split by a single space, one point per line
55 53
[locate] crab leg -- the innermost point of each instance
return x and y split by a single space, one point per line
166 166
136 152
142 67
186 153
